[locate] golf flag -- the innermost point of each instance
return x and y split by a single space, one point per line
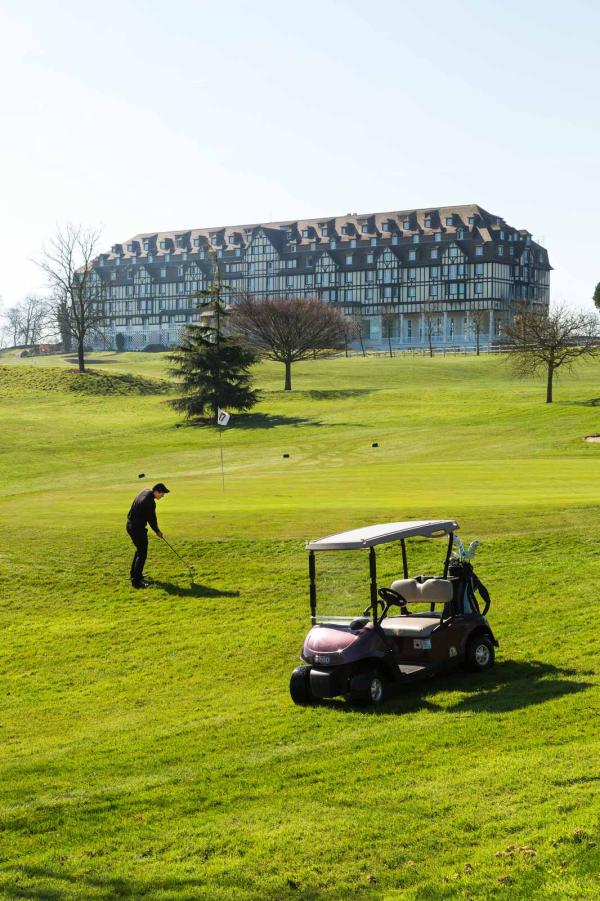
222 417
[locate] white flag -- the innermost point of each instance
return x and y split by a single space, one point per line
222 417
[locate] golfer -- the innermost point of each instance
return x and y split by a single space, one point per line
141 514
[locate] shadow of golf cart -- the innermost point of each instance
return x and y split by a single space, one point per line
395 641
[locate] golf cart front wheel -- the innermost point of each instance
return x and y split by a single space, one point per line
480 654
300 686
367 689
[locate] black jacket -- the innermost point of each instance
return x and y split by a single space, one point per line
143 511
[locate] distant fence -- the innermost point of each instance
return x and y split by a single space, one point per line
437 351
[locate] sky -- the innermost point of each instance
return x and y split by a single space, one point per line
136 116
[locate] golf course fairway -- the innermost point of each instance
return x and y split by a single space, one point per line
148 743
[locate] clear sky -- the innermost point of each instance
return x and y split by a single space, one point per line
141 115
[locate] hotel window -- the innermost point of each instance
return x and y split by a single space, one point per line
412 291
434 254
438 236
309 261
348 259
332 295
471 220
370 258
332 244
113 276
292 248
453 252
290 264
163 273
214 239
365 229
130 248
406 224
449 220
238 252
353 242
308 281
290 281
433 290
305 233
427 221
478 288
501 235
415 239
373 242
346 229
324 230
434 272
180 242
146 246
180 270
394 239
412 254
478 268
196 242
386 227
500 251
369 293
412 274
479 251
460 234
387 293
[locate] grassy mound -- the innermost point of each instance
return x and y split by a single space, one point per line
16 380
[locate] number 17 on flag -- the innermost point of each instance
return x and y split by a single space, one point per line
222 417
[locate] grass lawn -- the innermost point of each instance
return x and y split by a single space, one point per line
150 748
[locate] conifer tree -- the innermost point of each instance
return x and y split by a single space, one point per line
596 296
212 365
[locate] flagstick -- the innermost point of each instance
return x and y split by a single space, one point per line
221 447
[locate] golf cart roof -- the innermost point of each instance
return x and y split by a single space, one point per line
369 536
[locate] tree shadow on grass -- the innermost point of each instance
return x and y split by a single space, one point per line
89 361
194 591
592 402
267 421
510 685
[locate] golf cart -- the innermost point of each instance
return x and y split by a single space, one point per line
395 641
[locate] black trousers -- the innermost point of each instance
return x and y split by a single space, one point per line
140 540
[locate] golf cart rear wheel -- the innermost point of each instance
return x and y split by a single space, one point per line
480 654
300 686
367 689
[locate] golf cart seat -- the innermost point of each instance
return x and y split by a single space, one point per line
432 591
410 626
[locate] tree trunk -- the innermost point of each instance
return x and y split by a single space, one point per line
80 356
390 345
549 383
477 340
288 376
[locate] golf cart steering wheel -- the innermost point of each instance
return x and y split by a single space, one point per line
389 596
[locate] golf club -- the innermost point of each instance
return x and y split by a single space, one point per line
189 565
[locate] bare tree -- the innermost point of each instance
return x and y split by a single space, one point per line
477 319
540 343
358 330
13 325
78 293
35 314
430 321
389 320
288 330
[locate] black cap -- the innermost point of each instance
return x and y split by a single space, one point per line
161 487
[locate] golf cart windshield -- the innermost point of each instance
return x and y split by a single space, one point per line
367 538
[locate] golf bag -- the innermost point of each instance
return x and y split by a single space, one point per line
467 587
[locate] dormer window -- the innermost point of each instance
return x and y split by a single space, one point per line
428 222
130 248
438 236
471 220
164 245
197 242
415 239
373 242
346 230
324 231
180 242
449 220
365 229
406 224
386 227
348 259
146 246
214 240
479 251
306 233
501 235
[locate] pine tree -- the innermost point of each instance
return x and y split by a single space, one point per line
212 364
596 297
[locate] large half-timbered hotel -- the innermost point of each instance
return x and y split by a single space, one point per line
430 268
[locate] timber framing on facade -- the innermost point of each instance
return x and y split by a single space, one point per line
408 276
